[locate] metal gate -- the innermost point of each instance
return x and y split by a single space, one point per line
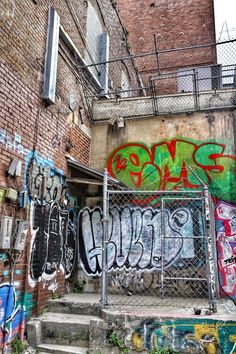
158 246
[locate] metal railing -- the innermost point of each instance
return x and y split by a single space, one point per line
193 75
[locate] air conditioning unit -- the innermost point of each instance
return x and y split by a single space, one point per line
207 78
5 232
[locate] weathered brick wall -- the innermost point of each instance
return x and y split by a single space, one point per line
40 136
176 24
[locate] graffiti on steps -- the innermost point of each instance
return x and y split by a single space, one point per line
195 336
12 317
134 240
164 166
226 247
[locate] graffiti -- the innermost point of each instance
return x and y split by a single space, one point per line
53 242
202 336
42 180
164 166
134 240
12 143
232 259
12 317
226 247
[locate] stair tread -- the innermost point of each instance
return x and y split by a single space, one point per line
67 318
63 348
80 299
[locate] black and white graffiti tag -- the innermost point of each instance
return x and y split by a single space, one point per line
134 240
53 242
43 181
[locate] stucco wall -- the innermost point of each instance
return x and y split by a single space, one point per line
218 126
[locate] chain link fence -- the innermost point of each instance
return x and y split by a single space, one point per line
158 249
191 78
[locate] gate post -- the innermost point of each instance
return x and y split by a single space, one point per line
104 302
211 276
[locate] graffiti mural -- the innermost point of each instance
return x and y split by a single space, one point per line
226 247
168 165
164 166
53 244
195 336
12 317
135 238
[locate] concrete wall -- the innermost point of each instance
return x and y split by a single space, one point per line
155 153
199 126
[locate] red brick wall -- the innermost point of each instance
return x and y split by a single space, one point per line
176 24
38 135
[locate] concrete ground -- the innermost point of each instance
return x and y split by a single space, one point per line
175 308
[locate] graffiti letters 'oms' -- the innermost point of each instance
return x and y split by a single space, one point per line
53 245
165 166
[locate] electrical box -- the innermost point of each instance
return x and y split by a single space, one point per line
20 235
11 194
5 232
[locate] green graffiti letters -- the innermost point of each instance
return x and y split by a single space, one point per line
165 166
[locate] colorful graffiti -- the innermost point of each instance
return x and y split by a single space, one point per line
164 166
226 246
195 336
12 317
168 165
134 240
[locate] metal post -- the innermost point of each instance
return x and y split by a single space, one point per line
104 302
211 276
162 249
157 54
195 89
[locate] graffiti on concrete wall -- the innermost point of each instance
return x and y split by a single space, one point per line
226 247
164 166
194 336
12 317
135 238
53 244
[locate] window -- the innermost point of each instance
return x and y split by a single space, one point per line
97 46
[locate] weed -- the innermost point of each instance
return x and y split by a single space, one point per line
79 286
18 346
118 342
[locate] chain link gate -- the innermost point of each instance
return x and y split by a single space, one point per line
158 246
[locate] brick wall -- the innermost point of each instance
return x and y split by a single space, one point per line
176 24
40 136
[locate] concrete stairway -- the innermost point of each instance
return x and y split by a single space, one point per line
67 327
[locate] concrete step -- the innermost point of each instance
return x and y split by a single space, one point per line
67 329
84 304
62 349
